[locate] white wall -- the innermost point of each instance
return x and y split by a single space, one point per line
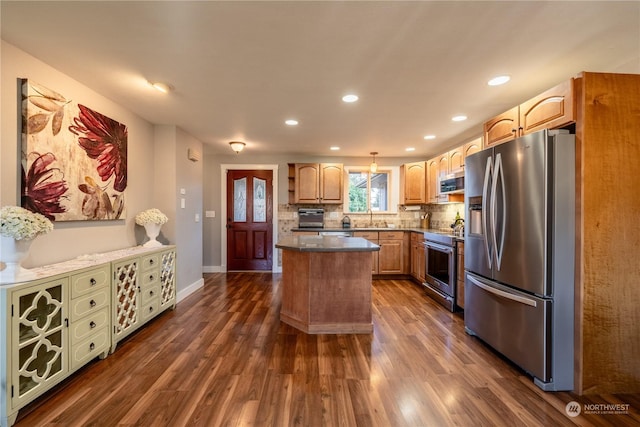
71 238
157 169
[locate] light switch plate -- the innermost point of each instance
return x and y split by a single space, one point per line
182 203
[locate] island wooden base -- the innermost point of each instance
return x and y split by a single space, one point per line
327 292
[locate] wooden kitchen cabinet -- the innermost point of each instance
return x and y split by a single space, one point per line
316 183
418 261
413 181
433 183
371 236
471 147
437 168
456 160
551 109
460 275
392 256
501 128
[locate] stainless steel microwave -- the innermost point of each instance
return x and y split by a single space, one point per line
452 183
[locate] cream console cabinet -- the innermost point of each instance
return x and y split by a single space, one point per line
73 312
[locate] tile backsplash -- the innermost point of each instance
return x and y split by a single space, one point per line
442 216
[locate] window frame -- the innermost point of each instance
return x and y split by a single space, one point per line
393 198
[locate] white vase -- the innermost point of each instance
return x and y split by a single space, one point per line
152 233
12 253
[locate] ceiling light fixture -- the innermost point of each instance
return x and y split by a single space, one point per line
498 80
161 87
410 149
429 137
459 118
373 167
334 148
291 122
237 146
350 98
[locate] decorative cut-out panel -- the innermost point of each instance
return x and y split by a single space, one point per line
40 341
167 277
126 288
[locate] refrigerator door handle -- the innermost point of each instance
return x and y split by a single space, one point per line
503 294
486 230
498 174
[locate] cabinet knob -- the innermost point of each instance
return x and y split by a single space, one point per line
93 281
151 277
92 303
92 324
92 346
150 309
151 261
151 293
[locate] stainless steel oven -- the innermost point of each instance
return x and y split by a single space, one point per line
440 269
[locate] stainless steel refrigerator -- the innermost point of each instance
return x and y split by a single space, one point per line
519 253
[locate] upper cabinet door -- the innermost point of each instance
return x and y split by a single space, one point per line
551 109
471 147
307 183
501 128
331 183
433 183
414 181
456 160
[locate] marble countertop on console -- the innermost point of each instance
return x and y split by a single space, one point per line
79 263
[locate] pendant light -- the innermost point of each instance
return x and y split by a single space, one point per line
237 146
373 167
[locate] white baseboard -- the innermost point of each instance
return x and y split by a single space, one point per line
198 284
218 269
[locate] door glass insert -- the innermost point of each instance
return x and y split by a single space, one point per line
259 200
240 200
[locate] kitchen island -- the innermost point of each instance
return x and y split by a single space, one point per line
326 284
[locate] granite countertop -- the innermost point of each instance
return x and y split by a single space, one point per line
411 229
327 244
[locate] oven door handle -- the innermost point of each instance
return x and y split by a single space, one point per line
441 248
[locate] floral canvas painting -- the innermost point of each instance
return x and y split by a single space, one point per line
74 159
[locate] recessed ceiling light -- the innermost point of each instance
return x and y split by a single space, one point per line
498 80
410 149
161 87
350 98
291 122
334 148
459 118
429 137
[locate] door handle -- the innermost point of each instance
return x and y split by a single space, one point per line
503 294
485 195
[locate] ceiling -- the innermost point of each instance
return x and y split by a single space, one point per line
239 69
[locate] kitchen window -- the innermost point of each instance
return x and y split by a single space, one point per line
370 192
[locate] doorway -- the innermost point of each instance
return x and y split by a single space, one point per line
249 227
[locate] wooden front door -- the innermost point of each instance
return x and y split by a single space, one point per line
249 220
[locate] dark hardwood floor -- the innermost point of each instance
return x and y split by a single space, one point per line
222 357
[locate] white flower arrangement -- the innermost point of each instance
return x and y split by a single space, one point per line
151 216
21 223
